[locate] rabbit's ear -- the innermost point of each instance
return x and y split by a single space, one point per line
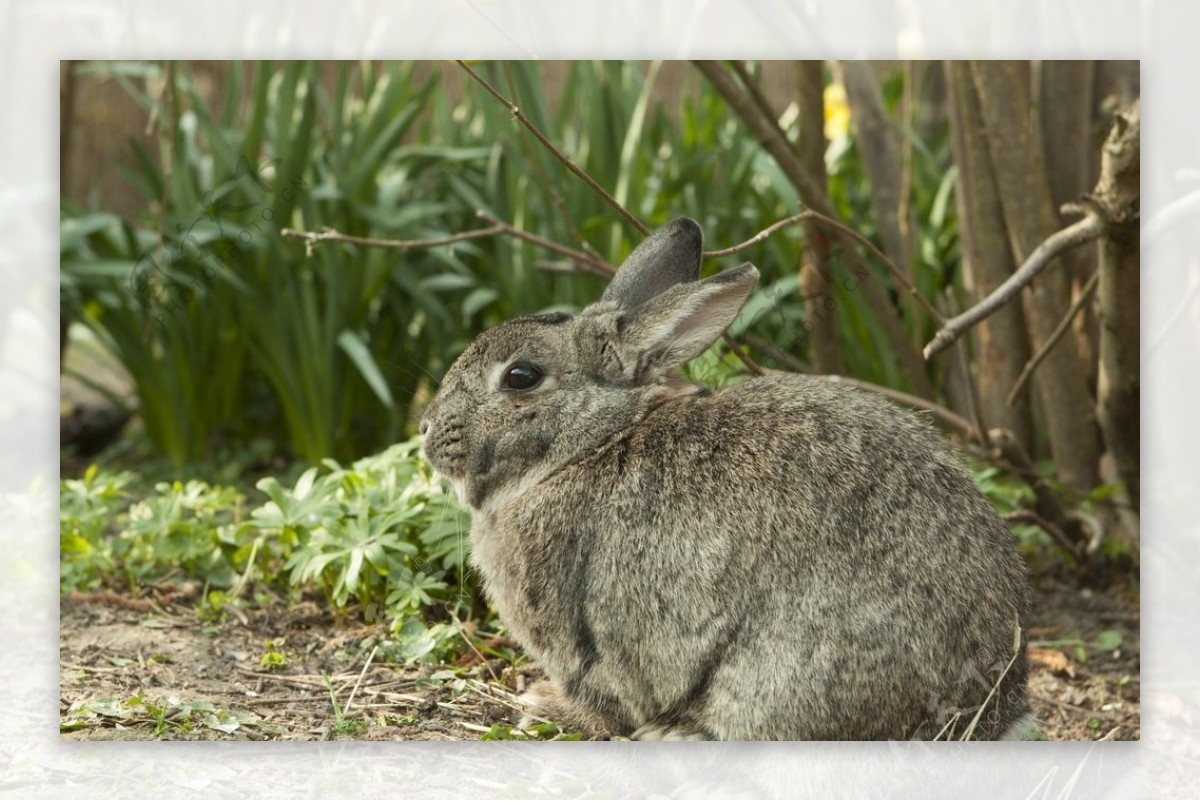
668 257
679 324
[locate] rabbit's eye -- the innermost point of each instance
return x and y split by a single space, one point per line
521 377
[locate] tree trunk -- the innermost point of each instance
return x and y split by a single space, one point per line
880 149
1119 388
929 99
825 350
1065 100
1001 345
1005 101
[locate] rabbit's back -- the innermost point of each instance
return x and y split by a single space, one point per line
785 559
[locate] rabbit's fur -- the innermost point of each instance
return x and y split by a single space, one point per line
786 558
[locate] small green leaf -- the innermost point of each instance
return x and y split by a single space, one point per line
223 722
1108 640
305 483
110 708
499 732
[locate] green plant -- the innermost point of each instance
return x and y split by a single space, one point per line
1106 641
381 534
175 717
189 527
366 532
343 725
86 505
214 314
540 731
273 656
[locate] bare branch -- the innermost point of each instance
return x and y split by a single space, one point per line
896 272
964 366
1056 533
1017 651
558 154
766 131
794 364
1006 446
955 421
760 236
1086 230
586 261
330 235
809 214
974 408
743 72
751 366
556 198
1084 296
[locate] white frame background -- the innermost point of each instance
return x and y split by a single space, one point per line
34 36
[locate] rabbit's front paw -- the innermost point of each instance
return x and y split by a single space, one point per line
546 702
671 731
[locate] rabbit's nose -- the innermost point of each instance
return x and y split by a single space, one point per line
424 427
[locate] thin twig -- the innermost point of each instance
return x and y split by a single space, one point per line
940 412
330 235
1016 652
1086 230
1072 707
483 660
1084 296
760 236
794 364
751 366
90 668
810 214
766 130
512 702
760 100
1006 446
556 198
949 727
588 262
1030 516
558 154
896 272
974 409
363 672
812 193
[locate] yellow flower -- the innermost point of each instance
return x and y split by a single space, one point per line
837 112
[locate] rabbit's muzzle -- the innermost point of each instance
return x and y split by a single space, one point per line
445 446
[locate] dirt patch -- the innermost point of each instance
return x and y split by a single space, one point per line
276 675
1085 654
154 671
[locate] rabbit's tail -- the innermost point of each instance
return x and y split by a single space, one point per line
1023 728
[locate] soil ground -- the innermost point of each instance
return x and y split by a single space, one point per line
139 669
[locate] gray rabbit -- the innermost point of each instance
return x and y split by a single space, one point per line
786 558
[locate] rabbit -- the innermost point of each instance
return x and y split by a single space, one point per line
786 558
